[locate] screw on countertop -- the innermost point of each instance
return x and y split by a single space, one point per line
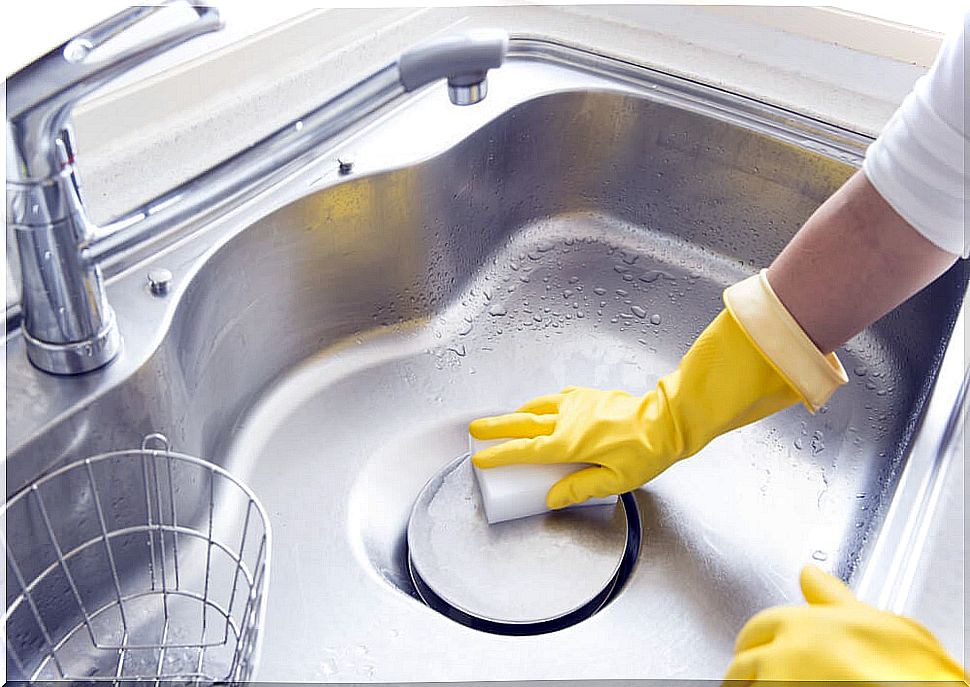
159 281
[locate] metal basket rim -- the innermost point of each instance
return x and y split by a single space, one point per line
138 452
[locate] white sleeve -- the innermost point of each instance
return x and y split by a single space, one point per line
918 163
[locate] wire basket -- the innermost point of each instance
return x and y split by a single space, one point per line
143 565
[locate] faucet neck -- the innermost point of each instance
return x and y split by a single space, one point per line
67 323
45 193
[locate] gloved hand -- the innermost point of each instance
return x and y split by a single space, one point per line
836 637
750 362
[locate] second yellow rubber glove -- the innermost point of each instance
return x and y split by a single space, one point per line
750 362
838 638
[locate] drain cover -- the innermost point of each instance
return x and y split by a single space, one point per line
526 576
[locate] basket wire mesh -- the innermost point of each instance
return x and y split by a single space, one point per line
144 565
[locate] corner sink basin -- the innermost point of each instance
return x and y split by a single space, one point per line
329 341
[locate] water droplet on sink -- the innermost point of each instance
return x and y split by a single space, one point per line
861 370
573 279
655 319
620 269
817 445
622 293
567 293
820 555
638 311
599 291
799 443
465 327
47 255
498 310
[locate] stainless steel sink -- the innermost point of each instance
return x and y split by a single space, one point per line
329 339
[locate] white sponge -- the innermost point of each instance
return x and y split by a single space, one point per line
516 491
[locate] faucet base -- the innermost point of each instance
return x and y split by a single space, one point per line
76 357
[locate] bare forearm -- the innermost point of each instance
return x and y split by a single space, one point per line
853 261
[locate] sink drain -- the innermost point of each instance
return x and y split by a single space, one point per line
522 577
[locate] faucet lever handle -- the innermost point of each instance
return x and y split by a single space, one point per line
40 96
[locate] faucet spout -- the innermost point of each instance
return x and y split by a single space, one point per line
463 59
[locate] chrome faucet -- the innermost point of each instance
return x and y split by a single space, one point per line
68 325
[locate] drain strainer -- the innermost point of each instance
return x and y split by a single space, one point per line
528 576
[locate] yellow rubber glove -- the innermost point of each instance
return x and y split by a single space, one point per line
750 362
836 637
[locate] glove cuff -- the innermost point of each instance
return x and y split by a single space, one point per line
783 343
